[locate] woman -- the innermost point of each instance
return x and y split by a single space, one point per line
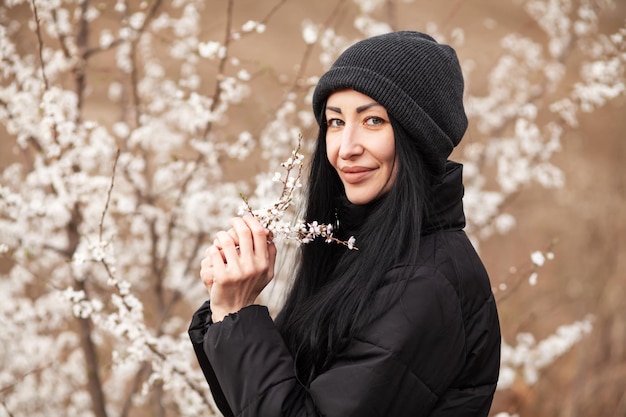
405 326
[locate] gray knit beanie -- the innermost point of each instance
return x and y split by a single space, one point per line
416 79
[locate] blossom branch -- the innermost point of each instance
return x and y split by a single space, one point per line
128 304
529 272
154 7
44 77
133 306
271 217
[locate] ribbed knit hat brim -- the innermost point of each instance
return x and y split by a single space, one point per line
416 79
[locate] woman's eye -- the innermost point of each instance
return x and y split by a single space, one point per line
374 121
335 122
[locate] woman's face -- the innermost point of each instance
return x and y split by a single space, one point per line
360 145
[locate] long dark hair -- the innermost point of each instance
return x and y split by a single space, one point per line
330 300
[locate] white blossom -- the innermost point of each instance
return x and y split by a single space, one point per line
111 190
538 258
529 356
309 32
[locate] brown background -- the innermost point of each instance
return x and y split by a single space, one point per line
586 217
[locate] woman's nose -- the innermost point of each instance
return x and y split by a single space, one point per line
350 144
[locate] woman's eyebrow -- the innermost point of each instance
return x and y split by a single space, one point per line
334 109
364 107
359 109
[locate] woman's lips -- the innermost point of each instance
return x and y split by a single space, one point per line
353 175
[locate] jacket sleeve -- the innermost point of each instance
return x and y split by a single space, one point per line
197 329
398 366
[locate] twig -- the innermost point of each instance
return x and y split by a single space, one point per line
109 192
523 275
452 13
221 66
44 77
22 376
6 409
40 44
79 68
309 48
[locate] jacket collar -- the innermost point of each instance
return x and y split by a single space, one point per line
447 205
446 211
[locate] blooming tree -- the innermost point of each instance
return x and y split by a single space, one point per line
130 132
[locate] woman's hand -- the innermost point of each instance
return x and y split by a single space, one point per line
238 265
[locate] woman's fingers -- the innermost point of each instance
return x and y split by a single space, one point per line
217 256
271 249
243 235
232 234
206 271
253 240
260 234
238 265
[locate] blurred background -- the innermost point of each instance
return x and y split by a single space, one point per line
582 223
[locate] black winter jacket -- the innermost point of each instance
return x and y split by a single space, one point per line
435 352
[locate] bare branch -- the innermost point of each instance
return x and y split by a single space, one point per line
217 93
520 276
40 45
79 69
62 36
306 56
44 77
453 11
108 200
391 14
6 409
8 387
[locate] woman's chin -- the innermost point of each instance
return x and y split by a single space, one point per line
360 199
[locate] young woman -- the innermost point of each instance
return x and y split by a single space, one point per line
405 326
